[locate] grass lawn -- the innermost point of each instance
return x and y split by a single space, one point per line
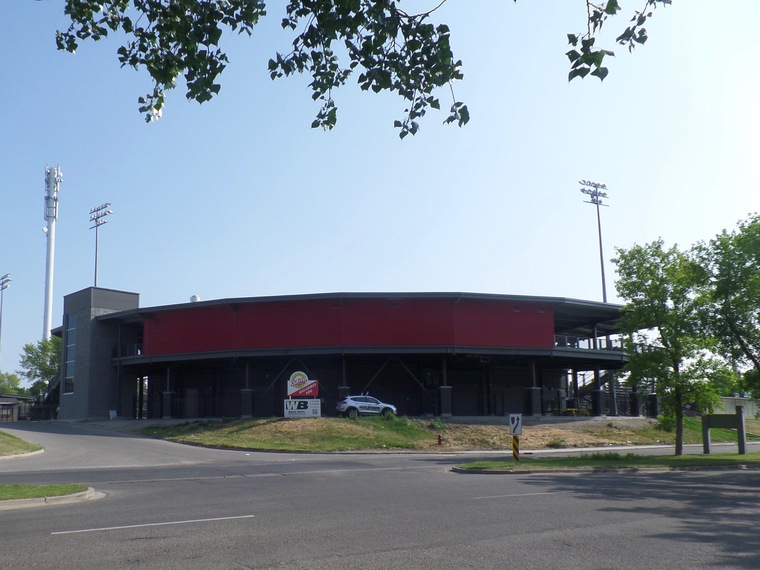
601 461
312 434
10 445
8 492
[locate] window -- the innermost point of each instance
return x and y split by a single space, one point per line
69 353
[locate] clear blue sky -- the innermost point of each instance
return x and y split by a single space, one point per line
239 197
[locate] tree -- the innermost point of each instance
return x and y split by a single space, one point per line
10 384
41 363
391 49
731 264
667 343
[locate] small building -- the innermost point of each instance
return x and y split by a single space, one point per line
14 407
442 354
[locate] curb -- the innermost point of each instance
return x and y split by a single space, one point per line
89 495
597 470
18 455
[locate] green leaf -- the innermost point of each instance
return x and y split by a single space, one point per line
578 72
612 7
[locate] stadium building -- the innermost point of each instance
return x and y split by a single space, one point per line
443 354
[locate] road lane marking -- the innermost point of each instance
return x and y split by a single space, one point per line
522 495
260 475
102 529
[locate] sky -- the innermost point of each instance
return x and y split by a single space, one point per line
239 197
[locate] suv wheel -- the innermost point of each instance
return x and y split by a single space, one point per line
352 413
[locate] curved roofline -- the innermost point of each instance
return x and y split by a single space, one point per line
554 301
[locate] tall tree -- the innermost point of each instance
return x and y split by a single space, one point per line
41 363
667 343
731 283
10 384
392 50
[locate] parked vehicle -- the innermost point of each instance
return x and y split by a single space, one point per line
354 406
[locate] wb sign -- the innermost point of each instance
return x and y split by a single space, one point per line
302 408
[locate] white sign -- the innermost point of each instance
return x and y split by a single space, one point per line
515 424
303 408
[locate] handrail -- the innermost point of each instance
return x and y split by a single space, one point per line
585 343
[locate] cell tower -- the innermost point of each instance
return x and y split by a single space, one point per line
53 179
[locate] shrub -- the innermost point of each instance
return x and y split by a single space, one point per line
437 424
666 422
557 443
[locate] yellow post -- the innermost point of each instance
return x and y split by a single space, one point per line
516 448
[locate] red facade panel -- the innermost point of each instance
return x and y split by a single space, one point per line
398 322
487 322
308 323
350 322
198 329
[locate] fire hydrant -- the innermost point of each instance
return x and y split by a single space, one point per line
440 439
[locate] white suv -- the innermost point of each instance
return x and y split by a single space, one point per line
353 406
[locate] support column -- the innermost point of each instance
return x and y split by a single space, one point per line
246 403
635 403
535 406
166 405
597 402
140 398
344 390
597 394
191 403
534 401
613 394
445 401
166 397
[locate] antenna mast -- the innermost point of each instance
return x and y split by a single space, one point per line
53 179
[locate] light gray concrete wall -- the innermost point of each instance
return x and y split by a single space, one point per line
751 407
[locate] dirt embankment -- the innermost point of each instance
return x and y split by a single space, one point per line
558 433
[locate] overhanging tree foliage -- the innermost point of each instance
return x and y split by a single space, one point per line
668 343
389 48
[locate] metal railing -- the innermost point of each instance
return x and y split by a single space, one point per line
586 343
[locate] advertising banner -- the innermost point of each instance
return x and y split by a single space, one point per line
303 408
299 386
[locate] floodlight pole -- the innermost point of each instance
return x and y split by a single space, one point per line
98 218
595 193
4 284
53 179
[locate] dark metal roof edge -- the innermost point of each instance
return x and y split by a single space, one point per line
554 301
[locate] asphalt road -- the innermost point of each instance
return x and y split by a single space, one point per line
174 506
